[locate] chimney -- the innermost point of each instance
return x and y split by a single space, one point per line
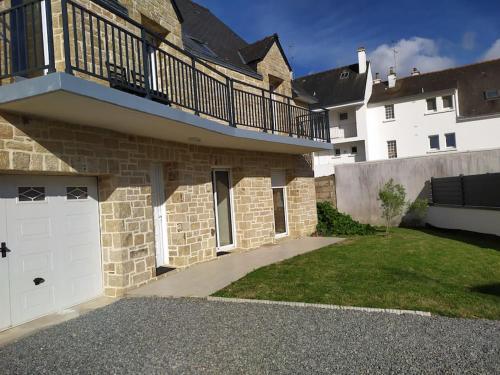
377 79
415 72
362 60
391 78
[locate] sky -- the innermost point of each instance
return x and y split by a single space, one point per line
322 34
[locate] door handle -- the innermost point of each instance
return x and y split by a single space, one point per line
4 250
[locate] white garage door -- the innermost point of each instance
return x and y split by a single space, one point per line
50 257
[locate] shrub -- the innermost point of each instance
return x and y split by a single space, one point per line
392 197
416 212
331 222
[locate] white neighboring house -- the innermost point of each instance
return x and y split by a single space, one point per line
446 111
344 92
451 110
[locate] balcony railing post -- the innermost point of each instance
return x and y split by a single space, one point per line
289 113
195 87
232 107
145 63
264 118
67 51
311 124
50 36
327 126
271 112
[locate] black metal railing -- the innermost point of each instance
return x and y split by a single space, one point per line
135 60
467 191
23 29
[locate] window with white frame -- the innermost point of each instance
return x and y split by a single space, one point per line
392 150
389 112
354 149
434 142
278 183
448 102
451 141
431 104
343 116
344 74
337 152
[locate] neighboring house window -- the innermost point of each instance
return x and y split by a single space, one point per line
343 116
389 111
434 142
492 94
344 75
451 141
337 152
392 149
354 149
448 102
431 104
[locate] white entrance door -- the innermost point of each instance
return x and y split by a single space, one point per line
159 215
52 232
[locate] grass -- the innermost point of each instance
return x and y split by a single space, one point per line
454 274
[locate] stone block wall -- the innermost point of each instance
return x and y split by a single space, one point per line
123 163
325 189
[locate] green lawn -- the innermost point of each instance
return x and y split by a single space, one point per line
448 273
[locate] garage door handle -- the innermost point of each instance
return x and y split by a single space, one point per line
4 250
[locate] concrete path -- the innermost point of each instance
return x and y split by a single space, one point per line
204 279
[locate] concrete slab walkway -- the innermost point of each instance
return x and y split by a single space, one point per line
204 279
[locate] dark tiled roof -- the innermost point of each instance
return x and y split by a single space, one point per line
203 33
300 93
470 80
330 89
208 37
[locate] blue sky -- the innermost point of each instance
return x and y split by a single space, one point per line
321 34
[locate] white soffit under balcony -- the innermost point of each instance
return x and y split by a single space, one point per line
66 98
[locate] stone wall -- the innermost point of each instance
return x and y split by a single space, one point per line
325 189
123 163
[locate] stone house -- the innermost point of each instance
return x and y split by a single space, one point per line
137 136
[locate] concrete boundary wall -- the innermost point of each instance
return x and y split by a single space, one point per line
357 185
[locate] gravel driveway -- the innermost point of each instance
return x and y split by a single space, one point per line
194 336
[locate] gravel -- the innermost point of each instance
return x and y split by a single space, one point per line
196 336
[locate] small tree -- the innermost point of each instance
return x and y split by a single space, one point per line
392 197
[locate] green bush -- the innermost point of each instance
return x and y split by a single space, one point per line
333 223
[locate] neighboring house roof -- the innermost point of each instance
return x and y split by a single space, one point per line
332 88
257 51
470 80
206 36
301 94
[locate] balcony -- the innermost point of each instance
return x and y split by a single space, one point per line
96 53
349 131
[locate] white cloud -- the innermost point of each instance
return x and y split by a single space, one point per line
493 52
417 52
469 40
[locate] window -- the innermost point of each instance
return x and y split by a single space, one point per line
448 102
337 152
392 149
389 111
343 116
31 194
431 104
354 149
76 193
278 183
451 141
434 142
492 94
344 75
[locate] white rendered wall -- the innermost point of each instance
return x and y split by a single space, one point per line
325 161
474 220
413 125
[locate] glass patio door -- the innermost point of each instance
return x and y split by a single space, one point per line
221 180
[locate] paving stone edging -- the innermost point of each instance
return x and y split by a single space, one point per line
320 306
